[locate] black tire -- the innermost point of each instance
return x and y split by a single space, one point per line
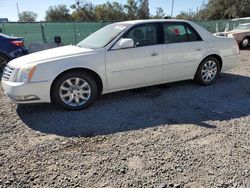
56 89
3 62
199 77
245 43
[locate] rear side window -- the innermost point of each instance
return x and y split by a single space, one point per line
179 32
192 34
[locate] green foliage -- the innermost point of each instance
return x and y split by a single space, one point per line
186 15
131 9
159 13
224 9
58 13
143 11
27 16
219 9
108 11
83 10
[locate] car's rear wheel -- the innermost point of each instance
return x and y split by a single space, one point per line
208 71
3 62
74 90
245 42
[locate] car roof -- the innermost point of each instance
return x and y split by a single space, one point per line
152 21
205 35
245 24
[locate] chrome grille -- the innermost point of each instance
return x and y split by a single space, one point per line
7 73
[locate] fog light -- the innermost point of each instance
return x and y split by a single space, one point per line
24 98
31 97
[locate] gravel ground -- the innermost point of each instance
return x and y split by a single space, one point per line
174 135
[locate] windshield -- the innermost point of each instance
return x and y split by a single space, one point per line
103 37
243 27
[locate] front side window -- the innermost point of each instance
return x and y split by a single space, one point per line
145 35
242 27
179 32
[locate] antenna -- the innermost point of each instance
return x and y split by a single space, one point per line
172 10
18 12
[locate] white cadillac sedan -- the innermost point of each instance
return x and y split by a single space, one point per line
118 57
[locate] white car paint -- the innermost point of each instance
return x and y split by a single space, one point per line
121 69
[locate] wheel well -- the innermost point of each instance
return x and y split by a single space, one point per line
96 77
246 37
217 57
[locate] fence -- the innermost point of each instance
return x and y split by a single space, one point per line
70 32
73 32
221 25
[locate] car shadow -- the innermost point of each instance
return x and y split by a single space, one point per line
169 104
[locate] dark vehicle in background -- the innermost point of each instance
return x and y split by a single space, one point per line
10 48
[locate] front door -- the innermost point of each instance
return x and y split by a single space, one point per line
140 65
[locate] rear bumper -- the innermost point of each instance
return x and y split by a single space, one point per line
38 92
230 62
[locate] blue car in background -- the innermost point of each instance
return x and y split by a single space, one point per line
10 48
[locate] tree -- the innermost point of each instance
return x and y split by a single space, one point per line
27 16
58 13
83 10
186 15
159 13
118 11
143 12
243 9
131 9
108 11
227 9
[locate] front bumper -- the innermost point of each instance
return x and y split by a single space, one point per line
36 92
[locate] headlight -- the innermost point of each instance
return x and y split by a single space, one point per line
25 73
230 36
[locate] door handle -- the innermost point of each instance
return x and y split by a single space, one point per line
154 54
198 49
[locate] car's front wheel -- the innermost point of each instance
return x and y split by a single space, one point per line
208 71
3 62
74 90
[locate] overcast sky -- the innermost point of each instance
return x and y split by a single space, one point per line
8 7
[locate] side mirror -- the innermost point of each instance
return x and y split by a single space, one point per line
124 43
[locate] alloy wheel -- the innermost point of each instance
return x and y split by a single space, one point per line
75 91
209 71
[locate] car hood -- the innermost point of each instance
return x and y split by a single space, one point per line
49 55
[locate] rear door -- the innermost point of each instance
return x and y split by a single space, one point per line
183 50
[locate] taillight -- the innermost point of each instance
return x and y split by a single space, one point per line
17 42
